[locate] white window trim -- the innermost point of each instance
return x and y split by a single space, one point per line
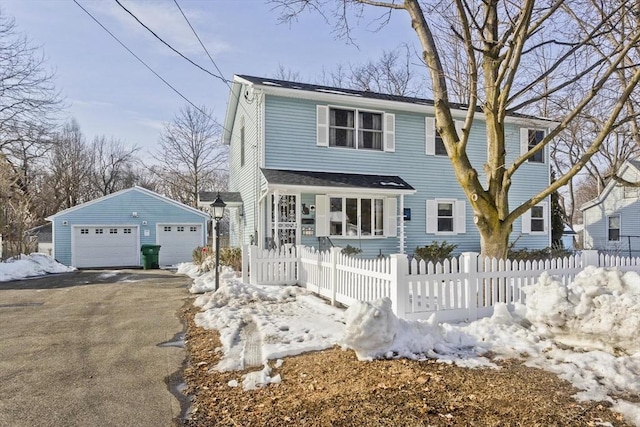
526 221
323 123
459 217
389 216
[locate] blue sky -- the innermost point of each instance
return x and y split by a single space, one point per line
110 93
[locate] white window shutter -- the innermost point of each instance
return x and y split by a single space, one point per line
524 140
322 215
432 216
389 132
322 112
391 219
546 216
526 222
430 135
461 217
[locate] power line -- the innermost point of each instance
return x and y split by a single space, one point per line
201 44
147 66
169 46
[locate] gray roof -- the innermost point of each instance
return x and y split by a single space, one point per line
333 179
226 196
635 163
264 81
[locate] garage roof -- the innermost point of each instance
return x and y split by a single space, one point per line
136 189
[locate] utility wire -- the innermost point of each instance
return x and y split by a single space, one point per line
147 66
201 44
169 46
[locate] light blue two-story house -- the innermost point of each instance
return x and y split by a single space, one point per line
321 166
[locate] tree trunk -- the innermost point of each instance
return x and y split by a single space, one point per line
494 243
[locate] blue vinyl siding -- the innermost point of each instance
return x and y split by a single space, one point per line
290 139
117 210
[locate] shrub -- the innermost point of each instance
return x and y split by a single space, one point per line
435 252
538 254
351 250
231 257
204 258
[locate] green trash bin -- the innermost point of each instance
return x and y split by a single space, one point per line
150 255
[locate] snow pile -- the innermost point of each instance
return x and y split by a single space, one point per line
280 321
35 264
188 269
600 309
373 331
204 282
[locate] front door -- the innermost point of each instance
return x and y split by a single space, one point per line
284 219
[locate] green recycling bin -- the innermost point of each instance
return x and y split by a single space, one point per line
150 255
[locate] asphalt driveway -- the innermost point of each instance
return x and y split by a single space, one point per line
83 349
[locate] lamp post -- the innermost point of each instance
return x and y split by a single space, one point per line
218 212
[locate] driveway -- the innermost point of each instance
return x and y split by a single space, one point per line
82 349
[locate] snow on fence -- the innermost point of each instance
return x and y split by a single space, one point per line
462 288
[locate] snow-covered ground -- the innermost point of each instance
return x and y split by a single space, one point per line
29 266
587 333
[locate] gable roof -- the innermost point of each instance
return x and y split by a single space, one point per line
127 190
230 198
296 178
634 163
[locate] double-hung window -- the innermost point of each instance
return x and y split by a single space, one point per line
613 232
529 138
535 220
356 217
446 216
364 133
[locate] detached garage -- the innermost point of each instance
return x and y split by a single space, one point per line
108 232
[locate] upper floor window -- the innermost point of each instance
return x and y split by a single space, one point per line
357 129
434 144
529 138
613 231
631 192
446 216
345 132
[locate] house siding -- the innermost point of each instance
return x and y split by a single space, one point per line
614 203
117 210
290 143
245 178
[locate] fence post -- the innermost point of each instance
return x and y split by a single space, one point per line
590 257
399 285
245 263
470 270
253 264
333 272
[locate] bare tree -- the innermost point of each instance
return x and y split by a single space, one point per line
27 94
283 73
69 167
113 165
500 42
190 153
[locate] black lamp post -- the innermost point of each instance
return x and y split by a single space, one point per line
218 212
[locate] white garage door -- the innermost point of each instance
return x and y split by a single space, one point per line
105 246
177 242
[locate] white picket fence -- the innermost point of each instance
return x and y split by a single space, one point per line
462 288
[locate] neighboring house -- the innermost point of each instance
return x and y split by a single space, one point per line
612 220
317 165
108 232
42 238
233 211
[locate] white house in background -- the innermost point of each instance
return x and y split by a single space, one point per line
108 231
612 220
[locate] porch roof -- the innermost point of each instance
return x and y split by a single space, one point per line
291 179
